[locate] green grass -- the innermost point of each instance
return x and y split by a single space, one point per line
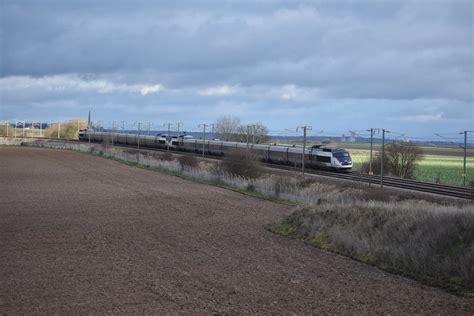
446 169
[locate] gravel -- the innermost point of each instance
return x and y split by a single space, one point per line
83 234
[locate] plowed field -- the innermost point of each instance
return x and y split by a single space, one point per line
83 234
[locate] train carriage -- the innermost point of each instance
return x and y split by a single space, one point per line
315 157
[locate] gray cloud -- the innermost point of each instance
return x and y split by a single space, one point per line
268 55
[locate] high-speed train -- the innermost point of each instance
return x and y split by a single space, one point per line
323 157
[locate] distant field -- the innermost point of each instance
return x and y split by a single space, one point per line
446 169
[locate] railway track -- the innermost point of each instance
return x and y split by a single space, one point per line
426 187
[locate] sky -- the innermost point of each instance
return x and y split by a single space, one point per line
406 66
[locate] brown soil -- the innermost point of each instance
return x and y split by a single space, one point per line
82 234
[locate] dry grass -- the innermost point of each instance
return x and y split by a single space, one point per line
428 242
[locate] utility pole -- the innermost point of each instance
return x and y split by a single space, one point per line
59 130
24 125
305 129
123 126
464 175
203 136
113 131
168 136
383 158
179 126
253 134
149 128
248 129
138 137
372 132
371 173
138 143
213 131
41 129
8 123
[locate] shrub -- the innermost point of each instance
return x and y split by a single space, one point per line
242 163
166 156
188 161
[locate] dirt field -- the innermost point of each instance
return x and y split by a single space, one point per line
82 234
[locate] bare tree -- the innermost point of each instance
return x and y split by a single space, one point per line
402 159
261 133
227 127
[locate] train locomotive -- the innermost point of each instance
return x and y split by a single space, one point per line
318 157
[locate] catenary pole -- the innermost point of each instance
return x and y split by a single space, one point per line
371 151
138 137
464 175
179 127
113 132
305 129
372 132
213 130
465 158
383 158
203 136
248 133
253 135
168 136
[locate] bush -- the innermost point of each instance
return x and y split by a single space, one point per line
166 156
242 163
188 161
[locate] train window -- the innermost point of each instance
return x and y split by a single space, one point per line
328 150
341 154
323 159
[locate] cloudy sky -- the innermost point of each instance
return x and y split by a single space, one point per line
336 65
